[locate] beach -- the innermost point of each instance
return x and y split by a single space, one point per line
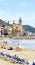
21 52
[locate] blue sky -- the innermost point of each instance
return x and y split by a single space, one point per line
13 9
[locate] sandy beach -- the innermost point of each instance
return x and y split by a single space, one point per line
22 53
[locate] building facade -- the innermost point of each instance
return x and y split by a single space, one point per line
17 28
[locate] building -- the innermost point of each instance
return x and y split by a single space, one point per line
17 29
3 26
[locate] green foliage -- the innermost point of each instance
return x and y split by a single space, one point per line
12 30
5 32
19 31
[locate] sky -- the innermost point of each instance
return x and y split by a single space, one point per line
14 9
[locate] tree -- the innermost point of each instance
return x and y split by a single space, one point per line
5 32
24 34
13 32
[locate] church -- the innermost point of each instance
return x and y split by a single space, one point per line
17 29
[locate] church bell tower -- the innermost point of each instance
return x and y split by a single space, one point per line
20 21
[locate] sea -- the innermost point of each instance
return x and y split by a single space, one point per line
28 44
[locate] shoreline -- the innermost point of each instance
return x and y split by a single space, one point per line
23 53
4 39
22 38
17 38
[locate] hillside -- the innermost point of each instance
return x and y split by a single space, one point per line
3 22
29 28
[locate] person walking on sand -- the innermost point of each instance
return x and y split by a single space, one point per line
17 47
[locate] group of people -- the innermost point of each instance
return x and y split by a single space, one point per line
16 59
